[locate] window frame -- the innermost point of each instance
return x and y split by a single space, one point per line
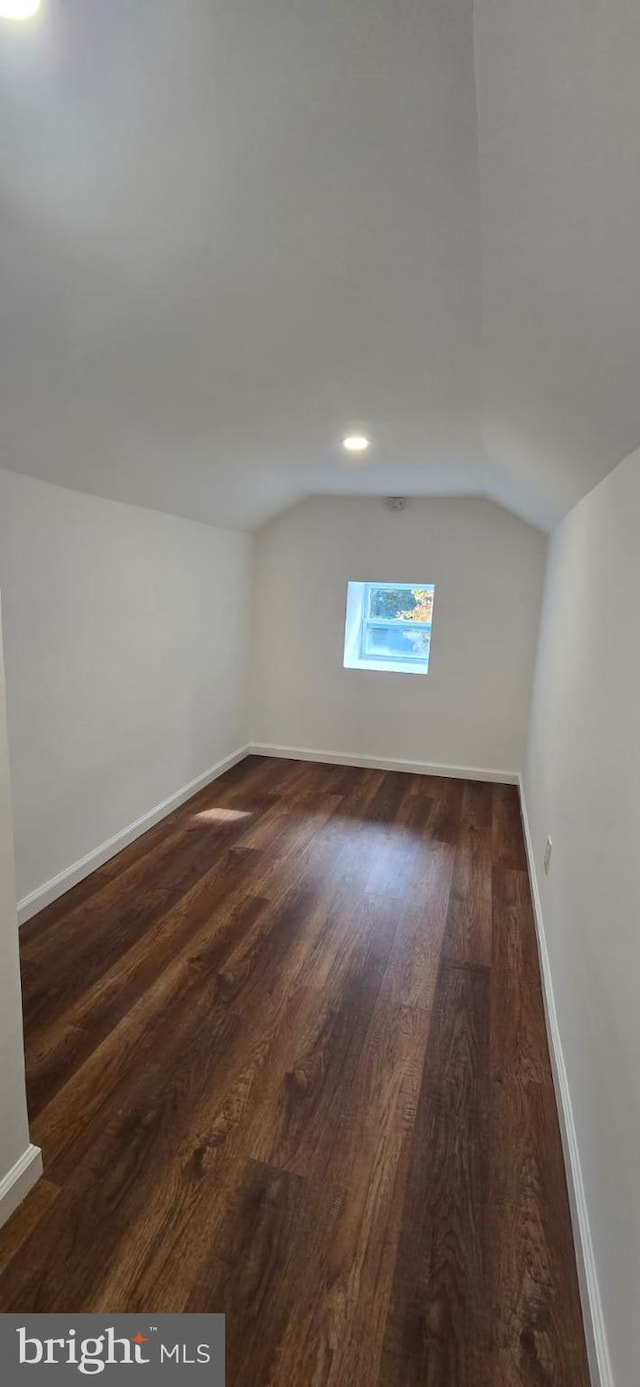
393 623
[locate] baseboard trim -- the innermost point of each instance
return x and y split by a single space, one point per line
17 1182
593 1315
381 763
56 886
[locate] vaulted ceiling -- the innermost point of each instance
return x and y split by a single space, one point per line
232 230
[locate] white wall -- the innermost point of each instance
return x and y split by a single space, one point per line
582 786
126 646
471 708
14 1130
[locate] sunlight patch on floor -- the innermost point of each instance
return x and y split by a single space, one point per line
221 816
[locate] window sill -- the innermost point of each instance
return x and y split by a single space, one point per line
388 666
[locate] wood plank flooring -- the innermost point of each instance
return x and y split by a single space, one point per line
286 1058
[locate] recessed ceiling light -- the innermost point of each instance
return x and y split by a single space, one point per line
19 9
355 443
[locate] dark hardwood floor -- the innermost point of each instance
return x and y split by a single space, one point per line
287 1059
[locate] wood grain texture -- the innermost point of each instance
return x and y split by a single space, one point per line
286 1058
437 1328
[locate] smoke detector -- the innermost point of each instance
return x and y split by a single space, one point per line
395 502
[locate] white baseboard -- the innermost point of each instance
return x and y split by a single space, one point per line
56 886
597 1347
17 1182
381 763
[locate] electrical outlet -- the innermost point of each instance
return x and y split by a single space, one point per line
547 855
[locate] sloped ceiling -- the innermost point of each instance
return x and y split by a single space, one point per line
233 230
558 87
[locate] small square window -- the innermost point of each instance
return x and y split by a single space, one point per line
388 626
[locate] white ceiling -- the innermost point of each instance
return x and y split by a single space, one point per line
558 87
233 229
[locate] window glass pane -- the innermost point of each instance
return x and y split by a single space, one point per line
387 601
414 604
395 642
